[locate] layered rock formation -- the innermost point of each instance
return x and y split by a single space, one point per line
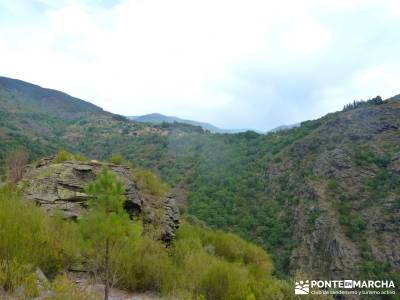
61 187
341 189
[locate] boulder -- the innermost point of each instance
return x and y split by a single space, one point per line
61 187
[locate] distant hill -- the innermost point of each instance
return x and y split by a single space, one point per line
157 118
284 127
22 96
41 121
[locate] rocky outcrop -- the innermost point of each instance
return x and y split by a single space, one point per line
395 164
339 185
61 187
325 251
170 219
334 164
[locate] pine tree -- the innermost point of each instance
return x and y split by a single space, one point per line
106 224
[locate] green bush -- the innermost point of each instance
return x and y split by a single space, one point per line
150 183
145 265
229 247
202 254
196 266
30 236
332 186
62 156
80 157
117 159
65 289
17 278
353 222
224 281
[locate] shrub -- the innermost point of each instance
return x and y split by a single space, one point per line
65 289
80 157
258 261
61 156
352 221
30 236
145 265
197 251
150 183
193 267
231 248
312 217
227 245
116 159
224 281
332 186
18 278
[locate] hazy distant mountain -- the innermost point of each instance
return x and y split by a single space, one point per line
284 127
157 118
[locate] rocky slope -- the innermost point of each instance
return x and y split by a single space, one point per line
345 175
156 118
60 187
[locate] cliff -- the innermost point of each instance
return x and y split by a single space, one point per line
60 187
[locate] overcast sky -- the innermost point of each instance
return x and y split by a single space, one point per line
237 64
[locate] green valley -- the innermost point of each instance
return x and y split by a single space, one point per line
322 198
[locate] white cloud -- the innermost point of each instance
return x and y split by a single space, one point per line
227 62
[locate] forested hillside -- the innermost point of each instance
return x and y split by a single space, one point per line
321 198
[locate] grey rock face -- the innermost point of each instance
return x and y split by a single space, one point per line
334 164
61 187
395 164
170 219
324 251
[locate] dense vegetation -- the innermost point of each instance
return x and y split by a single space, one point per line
201 263
278 190
220 172
224 176
29 239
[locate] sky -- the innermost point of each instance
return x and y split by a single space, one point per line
234 63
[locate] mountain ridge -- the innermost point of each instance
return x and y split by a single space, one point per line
157 118
54 100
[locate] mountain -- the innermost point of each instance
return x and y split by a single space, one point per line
157 118
341 183
322 198
35 118
27 97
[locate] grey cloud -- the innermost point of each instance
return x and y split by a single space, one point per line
288 95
